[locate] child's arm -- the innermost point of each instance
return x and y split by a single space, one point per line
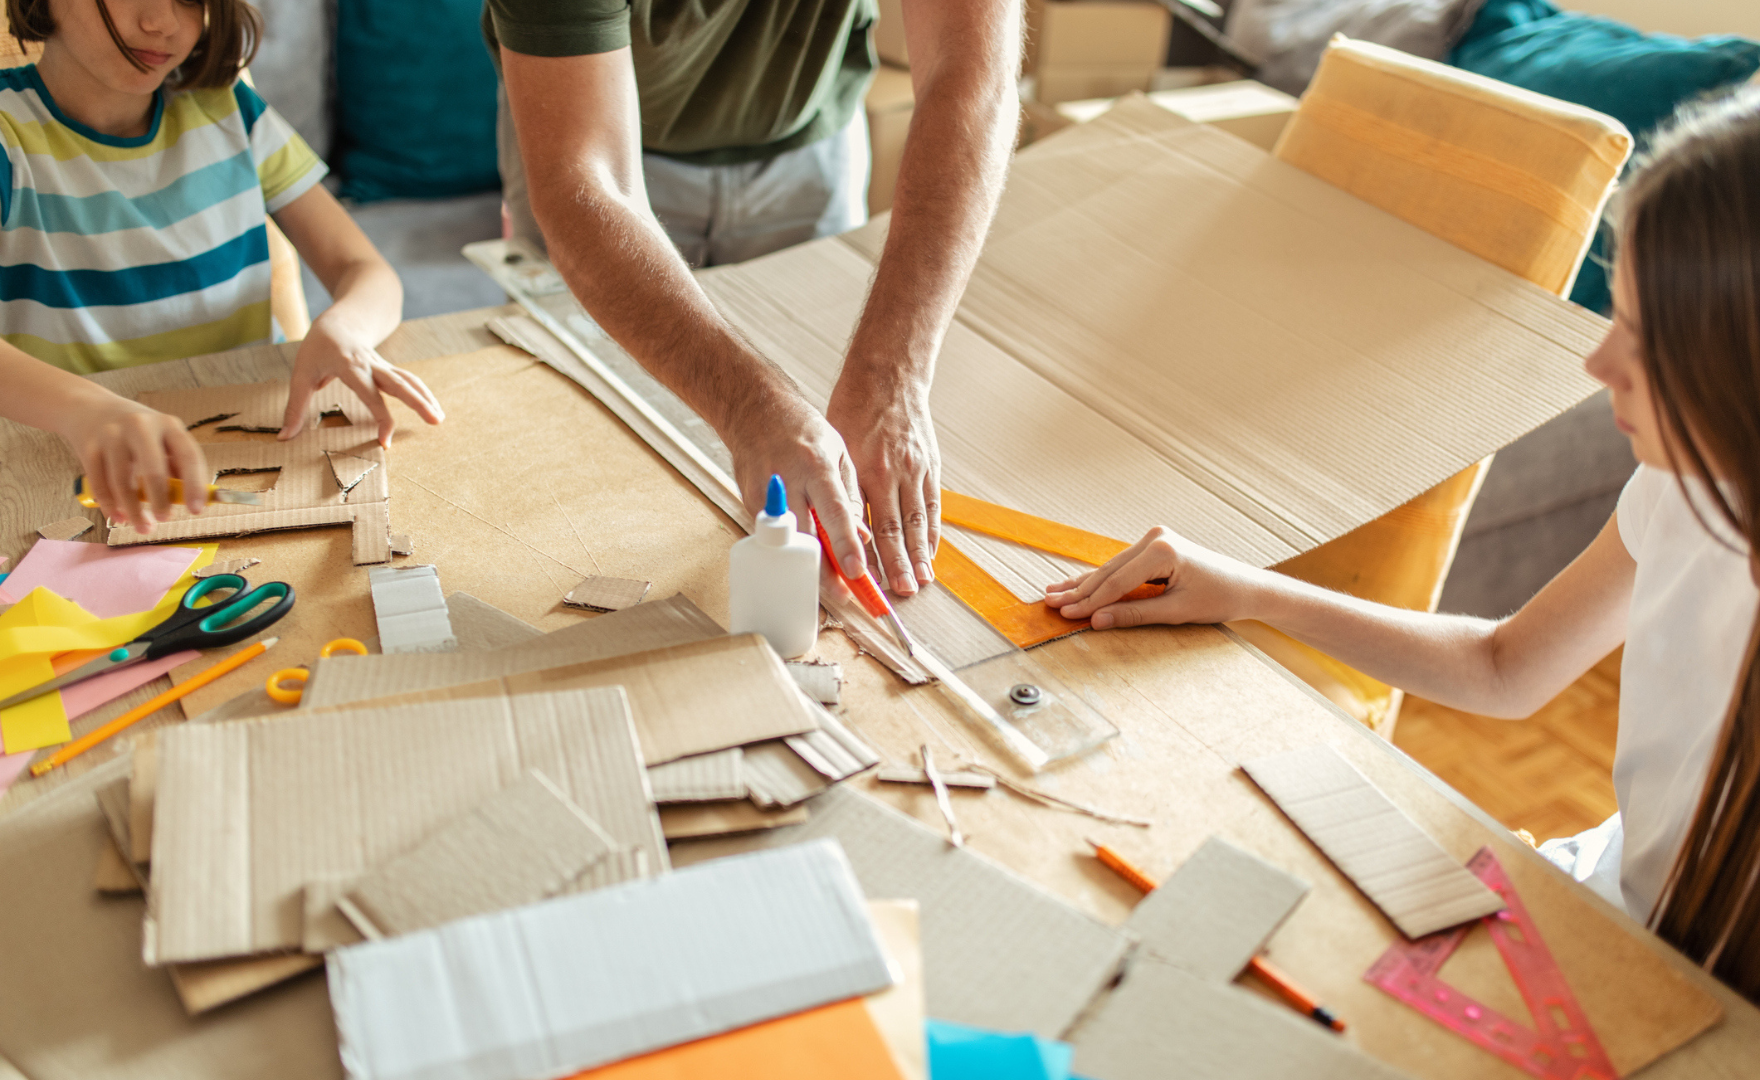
366 305
1506 668
122 445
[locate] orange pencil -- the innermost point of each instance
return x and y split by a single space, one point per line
86 742
1300 999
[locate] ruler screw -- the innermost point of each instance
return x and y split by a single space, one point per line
1024 694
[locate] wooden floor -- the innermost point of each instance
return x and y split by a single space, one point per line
1550 774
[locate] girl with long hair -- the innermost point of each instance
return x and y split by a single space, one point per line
1672 575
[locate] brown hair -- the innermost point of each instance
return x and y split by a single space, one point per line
1690 221
229 39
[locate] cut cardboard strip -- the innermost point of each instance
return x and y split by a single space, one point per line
702 778
820 680
65 529
411 610
1165 1021
522 844
776 776
688 699
586 980
249 812
693 820
1217 910
1417 885
834 751
341 680
910 774
998 951
598 593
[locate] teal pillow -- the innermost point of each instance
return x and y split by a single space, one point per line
415 100
1634 77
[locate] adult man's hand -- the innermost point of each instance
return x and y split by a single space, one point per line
891 441
790 439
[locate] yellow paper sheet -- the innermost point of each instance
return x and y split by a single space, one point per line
43 626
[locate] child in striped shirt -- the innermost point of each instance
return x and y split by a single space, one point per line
136 181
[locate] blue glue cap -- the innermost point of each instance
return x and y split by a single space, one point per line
776 502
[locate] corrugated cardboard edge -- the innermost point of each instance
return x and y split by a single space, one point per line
713 777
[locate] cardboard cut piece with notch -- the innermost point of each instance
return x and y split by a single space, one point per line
1165 1021
686 699
1216 911
1224 317
525 843
65 529
248 812
998 951
344 680
1399 867
305 493
586 980
700 778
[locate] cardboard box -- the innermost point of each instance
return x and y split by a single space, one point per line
890 103
1243 108
889 35
1094 48
249 812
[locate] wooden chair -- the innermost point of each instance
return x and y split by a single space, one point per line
287 293
1513 177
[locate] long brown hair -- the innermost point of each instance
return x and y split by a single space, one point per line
1689 221
230 33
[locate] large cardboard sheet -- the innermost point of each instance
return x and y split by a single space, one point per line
249 812
584 980
1168 326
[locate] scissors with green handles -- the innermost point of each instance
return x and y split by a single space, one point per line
221 622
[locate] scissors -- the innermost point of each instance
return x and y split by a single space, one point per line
277 687
189 627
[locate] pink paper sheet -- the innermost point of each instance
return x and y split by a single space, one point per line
105 581
13 766
87 694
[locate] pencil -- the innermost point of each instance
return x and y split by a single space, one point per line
86 742
1300 999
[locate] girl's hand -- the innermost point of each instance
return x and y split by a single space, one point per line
1202 586
125 448
330 352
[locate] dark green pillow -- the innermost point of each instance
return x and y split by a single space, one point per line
1634 77
415 100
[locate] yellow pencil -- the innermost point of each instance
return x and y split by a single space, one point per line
86 742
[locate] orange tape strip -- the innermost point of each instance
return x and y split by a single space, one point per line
1025 624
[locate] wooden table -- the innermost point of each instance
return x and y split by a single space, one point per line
516 508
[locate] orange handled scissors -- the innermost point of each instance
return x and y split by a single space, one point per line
278 687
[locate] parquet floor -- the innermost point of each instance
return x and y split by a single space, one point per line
1550 774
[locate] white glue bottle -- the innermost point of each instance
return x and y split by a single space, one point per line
774 579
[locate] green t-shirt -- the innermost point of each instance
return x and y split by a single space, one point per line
721 81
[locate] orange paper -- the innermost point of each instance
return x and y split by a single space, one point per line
837 1040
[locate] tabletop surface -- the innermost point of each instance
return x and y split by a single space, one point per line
516 509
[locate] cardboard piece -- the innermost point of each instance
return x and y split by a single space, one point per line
1417 885
249 812
701 778
910 774
410 610
401 544
65 529
343 680
585 980
998 952
226 566
820 680
348 470
694 820
113 804
596 593
75 1001
1217 910
143 786
522 844
687 699
834 751
1094 48
112 874
481 626
326 927
1164 1021
776 776
306 492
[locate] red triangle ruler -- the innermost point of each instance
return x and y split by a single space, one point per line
1560 1046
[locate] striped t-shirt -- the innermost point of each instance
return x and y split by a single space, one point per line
121 251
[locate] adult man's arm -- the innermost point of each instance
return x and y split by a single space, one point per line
965 56
580 142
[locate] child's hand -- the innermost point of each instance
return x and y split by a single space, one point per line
333 353
125 448
1202 586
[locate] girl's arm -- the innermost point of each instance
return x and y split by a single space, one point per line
1506 668
122 445
366 305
